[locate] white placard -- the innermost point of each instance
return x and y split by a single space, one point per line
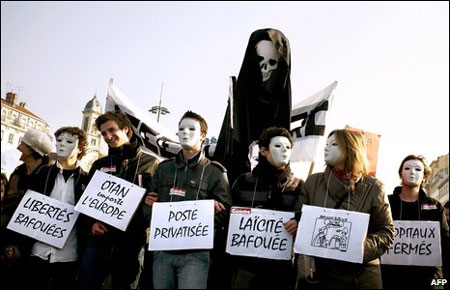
182 225
43 218
332 233
110 199
260 233
416 243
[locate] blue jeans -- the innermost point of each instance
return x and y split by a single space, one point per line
103 257
181 271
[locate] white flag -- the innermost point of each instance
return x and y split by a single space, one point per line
154 137
308 123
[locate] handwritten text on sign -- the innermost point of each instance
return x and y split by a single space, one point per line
415 243
182 225
259 233
110 199
44 218
332 233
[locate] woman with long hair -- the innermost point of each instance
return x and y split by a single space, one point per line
346 185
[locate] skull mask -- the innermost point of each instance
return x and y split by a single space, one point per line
268 57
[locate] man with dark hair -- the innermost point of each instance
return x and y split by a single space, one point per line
193 176
50 267
271 185
111 251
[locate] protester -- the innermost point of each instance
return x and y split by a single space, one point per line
346 185
411 202
195 177
271 185
35 147
48 266
110 250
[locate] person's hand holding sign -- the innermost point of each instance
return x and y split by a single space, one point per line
151 198
99 229
291 226
218 206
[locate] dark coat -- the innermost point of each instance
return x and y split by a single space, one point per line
417 277
264 188
213 184
44 182
369 197
129 163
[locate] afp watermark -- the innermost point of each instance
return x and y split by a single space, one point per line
438 282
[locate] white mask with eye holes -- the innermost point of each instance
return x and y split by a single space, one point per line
67 145
268 58
280 148
412 173
189 133
333 153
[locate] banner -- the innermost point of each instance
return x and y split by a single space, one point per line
308 123
259 233
416 243
182 225
155 138
110 199
43 218
372 141
332 233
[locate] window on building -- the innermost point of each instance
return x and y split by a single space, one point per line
93 142
2 134
86 123
11 138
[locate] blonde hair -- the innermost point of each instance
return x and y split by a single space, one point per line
353 146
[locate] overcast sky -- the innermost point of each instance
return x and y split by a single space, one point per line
391 61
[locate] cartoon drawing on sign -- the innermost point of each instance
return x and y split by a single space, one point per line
331 233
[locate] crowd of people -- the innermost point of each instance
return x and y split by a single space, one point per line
99 255
96 252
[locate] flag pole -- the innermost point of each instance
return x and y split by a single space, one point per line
311 169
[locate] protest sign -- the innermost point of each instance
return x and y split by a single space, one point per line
332 233
110 199
182 225
44 219
260 233
416 243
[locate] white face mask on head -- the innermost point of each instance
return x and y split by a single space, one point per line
412 173
280 148
189 133
333 153
67 145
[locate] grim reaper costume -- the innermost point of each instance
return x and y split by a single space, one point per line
261 99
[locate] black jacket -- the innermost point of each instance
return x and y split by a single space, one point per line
417 277
133 165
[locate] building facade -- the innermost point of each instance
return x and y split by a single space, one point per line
91 111
17 119
438 185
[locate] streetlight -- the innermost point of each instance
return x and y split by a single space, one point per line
158 109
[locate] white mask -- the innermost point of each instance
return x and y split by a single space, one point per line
412 173
269 58
189 133
67 145
333 152
280 148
